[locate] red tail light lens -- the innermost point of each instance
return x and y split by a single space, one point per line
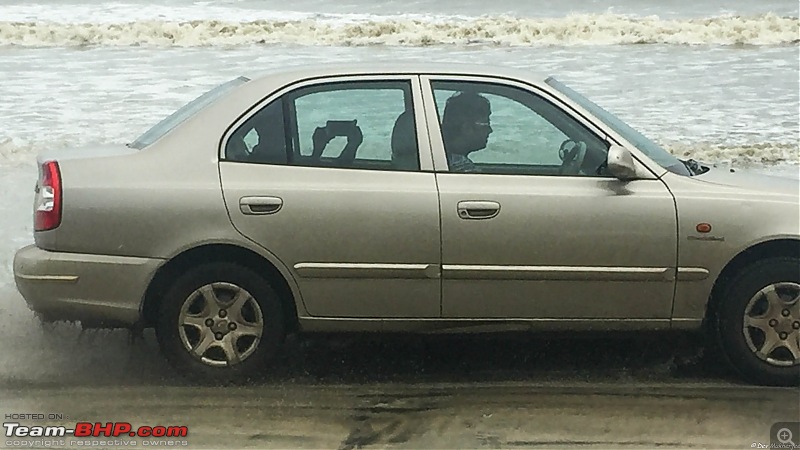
47 213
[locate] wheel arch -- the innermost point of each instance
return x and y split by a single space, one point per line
774 248
218 253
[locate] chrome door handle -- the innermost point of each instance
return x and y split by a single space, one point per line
475 210
260 205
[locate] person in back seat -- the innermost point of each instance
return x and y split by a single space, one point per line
322 136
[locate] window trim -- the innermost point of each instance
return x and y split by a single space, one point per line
424 150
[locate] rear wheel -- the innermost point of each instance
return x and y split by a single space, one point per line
220 323
758 322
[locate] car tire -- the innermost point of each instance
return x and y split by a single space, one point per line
220 323
758 322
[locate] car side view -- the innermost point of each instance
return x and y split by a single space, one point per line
415 198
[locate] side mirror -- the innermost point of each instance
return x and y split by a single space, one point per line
620 163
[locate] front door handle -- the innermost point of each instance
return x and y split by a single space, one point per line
260 205
475 210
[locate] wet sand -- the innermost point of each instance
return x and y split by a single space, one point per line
434 415
437 392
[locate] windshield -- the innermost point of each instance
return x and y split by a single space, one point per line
185 112
650 148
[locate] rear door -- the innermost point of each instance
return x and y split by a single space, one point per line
351 209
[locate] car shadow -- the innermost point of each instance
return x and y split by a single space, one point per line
496 358
63 355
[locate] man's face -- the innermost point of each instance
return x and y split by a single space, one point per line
476 133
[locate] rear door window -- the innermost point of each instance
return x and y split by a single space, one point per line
347 125
358 125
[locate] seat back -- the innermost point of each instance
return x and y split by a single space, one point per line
405 154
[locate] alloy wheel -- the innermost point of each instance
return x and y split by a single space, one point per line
771 324
220 324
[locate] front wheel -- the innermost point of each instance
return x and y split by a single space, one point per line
220 323
758 322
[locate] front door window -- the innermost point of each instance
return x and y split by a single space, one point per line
492 128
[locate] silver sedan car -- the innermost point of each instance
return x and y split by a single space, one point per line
421 198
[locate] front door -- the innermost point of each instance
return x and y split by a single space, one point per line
532 226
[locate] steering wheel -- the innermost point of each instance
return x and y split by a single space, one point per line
572 154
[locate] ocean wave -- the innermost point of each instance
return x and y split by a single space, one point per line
573 30
14 151
22 152
758 153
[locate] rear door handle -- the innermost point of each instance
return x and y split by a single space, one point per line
475 210
260 205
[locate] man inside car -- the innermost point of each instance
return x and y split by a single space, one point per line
465 129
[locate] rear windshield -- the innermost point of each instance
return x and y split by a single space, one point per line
187 111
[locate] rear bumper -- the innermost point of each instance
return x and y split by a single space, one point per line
97 290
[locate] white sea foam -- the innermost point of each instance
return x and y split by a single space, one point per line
572 30
14 152
757 153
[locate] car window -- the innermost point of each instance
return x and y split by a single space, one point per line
494 128
261 138
359 125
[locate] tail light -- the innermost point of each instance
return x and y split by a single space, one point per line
47 213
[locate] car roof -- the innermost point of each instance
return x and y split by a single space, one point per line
382 68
